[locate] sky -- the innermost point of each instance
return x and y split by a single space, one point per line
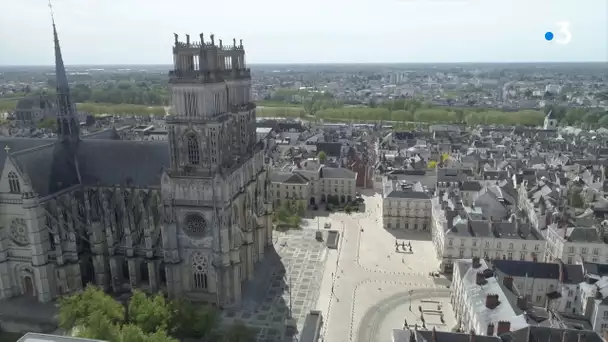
312 31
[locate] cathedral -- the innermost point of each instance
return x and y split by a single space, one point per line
189 216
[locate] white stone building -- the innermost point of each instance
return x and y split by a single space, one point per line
540 282
405 205
465 232
479 300
313 184
570 244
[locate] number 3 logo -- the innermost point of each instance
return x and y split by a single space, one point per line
565 36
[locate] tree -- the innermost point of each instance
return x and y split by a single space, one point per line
193 321
133 333
95 315
150 313
322 157
92 311
575 198
603 122
48 123
239 332
432 164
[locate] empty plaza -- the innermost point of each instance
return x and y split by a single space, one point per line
368 281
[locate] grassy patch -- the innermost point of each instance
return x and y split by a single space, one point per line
281 112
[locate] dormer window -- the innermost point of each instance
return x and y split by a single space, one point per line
13 183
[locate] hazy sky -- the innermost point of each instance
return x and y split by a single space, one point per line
311 31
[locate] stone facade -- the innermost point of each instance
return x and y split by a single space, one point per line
192 222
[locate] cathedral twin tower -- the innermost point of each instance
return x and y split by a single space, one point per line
217 221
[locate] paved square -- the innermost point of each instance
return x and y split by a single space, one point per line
289 288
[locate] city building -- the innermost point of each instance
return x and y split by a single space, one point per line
188 216
541 282
481 301
312 183
405 205
473 231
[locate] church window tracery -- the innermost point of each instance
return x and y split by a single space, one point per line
194 156
19 232
13 183
195 225
200 265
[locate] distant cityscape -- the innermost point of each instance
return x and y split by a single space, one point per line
212 200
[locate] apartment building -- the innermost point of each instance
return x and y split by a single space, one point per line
540 282
570 243
481 301
464 232
405 205
313 184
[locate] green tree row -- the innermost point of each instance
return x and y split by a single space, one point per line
580 117
94 314
124 92
120 109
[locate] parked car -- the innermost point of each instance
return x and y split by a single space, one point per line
327 225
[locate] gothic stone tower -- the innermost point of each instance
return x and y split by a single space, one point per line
216 219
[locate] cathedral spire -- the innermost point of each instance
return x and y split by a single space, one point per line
67 121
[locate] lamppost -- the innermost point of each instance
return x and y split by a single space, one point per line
410 293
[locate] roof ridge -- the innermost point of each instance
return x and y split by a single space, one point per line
32 149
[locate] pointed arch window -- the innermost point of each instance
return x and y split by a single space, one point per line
194 155
200 265
13 183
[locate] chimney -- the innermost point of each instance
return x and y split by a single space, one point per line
476 262
503 327
582 337
480 279
490 331
522 303
508 282
492 303
565 336
472 336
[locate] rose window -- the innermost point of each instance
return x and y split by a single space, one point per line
195 225
19 232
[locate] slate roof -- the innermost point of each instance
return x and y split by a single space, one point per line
296 178
439 336
336 172
573 274
476 295
470 186
50 168
544 334
122 162
596 269
20 144
332 149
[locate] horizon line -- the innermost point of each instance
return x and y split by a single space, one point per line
318 63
